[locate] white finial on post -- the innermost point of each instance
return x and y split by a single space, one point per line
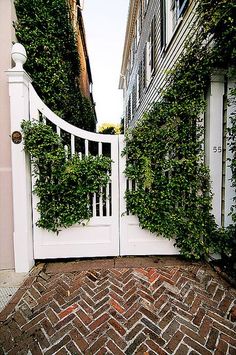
19 56
19 92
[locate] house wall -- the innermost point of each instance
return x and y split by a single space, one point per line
85 74
165 57
217 116
7 15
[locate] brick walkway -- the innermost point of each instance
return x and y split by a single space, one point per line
65 308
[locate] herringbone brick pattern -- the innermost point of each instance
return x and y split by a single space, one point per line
169 310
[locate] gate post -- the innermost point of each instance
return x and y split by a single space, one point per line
19 82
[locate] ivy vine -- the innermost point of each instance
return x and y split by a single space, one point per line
45 29
63 185
164 150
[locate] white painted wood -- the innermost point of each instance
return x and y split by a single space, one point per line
95 137
94 205
72 144
133 239
100 148
99 236
214 137
58 131
86 147
19 82
101 203
108 200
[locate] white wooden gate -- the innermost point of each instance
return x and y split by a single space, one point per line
100 237
110 232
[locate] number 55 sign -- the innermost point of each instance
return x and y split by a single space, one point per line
217 149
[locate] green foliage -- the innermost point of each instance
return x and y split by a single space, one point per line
165 149
64 185
45 29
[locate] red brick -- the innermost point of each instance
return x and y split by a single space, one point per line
134 332
80 326
199 316
212 288
232 350
58 346
166 320
149 314
61 352
117 306
225 304
135 343
47 326
64 321
212 339
72 348
205 327
175 341
117 339
225 330
196 304
222 348
97 345
218 295
182 350
103 318
52 316
156 348
133 320
119 328
192 334
190 298
78 340
230 340
194 345
172 329
114 348
132 310
33 322
67 311
84 317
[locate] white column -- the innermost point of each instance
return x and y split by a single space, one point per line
229 190
214 140
19 82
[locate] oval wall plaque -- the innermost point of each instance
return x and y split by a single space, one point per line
16 137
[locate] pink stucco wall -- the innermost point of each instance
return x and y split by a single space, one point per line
7 15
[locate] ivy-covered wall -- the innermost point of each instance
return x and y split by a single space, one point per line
44 27
165 150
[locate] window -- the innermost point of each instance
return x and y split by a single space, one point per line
137 90
134 99
178 7
163 22
139 82
150 53
129 110
182 4
139 21
146 5
144 69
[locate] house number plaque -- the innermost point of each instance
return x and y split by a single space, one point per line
16 137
